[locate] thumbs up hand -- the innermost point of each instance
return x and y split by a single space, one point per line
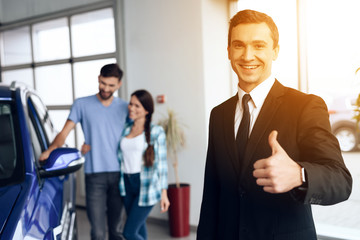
277 173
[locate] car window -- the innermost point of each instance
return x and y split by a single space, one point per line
11 157
44 119
7 142
37 132
35 142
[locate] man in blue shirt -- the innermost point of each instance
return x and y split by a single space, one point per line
102 118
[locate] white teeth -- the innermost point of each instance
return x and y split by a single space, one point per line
249 67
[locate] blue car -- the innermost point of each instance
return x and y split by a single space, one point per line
37 201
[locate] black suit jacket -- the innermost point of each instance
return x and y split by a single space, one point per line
234 206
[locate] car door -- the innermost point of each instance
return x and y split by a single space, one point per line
47 213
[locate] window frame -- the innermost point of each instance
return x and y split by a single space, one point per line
68 14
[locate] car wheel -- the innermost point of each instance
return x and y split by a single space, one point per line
347 138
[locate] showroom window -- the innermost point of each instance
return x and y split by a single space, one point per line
320 54
93 33
333 54
60 58
16 47
51 40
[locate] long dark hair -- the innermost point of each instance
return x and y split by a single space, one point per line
147 102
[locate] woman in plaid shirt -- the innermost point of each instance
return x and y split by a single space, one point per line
143 166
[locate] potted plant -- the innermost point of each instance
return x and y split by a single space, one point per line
357 112
357 107
178 193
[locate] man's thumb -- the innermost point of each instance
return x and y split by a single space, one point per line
274 144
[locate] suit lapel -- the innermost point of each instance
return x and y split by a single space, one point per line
229 133
267 112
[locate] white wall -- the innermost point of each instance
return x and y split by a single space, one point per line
218 87
164 56
1 11
178 48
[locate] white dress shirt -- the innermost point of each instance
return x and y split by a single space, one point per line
256 102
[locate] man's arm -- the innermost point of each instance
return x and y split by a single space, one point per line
59 139
328 180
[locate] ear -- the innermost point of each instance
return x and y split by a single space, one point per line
228 50
276 52
119 84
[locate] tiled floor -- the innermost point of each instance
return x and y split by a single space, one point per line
156 230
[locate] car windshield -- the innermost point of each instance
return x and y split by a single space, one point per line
7 143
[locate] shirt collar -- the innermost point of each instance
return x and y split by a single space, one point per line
260 92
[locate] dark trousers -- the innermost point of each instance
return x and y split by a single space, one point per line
135 226
103 202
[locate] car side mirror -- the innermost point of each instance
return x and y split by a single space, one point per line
62 161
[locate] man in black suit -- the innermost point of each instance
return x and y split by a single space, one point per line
270 154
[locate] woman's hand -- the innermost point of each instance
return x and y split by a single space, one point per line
164 202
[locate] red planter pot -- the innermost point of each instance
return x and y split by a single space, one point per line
179 210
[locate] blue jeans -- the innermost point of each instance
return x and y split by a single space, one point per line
103 201
135 226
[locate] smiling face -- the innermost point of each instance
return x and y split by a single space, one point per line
251 53
136 109
107 86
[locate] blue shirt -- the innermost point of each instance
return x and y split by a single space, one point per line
152 179
102 127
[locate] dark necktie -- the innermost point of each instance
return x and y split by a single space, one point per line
243 131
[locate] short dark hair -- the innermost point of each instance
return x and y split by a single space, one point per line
252 16
111 70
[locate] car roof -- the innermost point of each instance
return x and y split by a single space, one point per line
5 91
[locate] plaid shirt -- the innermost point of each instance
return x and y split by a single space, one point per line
153 179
